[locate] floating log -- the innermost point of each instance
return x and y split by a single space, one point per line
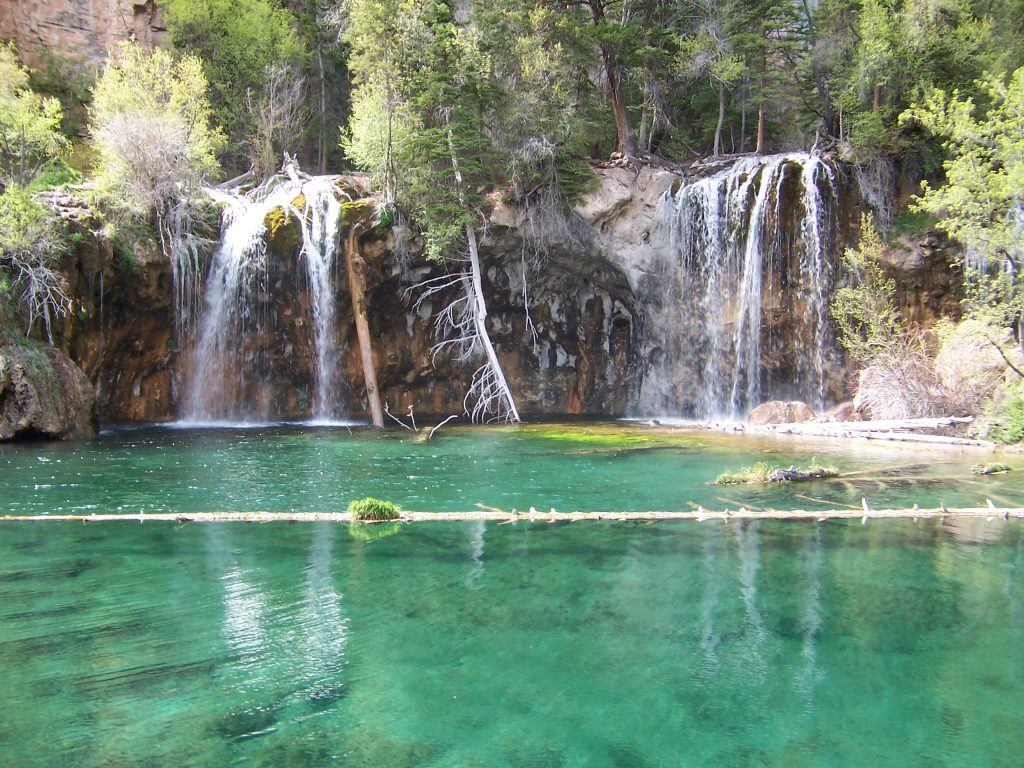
743 513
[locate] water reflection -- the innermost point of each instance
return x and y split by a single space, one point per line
808 674
477 529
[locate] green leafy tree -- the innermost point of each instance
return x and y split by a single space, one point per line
238 43
770 45
981 203
30 125
153 127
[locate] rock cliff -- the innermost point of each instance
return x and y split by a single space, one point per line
81 31
44 394
578 312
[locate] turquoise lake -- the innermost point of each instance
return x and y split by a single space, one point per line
468 644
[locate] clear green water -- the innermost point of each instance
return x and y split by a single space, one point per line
684 644
596 467
604 644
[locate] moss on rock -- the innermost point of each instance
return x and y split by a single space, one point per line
284 234
354 211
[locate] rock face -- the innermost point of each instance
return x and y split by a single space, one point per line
44 394
578 313
779 412
80 31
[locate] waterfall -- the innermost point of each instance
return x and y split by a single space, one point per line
232 365
739 304
320 244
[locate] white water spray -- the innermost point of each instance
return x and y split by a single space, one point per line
230 371
734 256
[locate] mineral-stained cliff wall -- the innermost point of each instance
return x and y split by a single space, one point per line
78 30
595 294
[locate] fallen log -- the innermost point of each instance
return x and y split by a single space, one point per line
741 513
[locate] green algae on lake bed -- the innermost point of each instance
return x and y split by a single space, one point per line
613 644
590 467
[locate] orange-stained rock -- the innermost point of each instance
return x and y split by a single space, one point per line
842 412
80 32
779 412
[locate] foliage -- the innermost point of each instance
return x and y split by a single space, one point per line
867 324
990 468
30 125
152 123
1006 416
31 242
238 42
980 203
373 509
758 473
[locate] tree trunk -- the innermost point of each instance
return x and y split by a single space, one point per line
721 118
623 133
480 318
321 138
743 119
759 150
357 288
876 99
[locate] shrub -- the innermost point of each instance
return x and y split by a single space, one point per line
1007 416
31 242
30 125
373 509
765 473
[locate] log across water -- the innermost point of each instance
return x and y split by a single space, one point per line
551 517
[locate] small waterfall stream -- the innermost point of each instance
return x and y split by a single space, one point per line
231 369
744 289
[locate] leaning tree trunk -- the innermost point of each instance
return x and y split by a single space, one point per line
357 287
480 320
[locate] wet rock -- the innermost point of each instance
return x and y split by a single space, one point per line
779 412
44 394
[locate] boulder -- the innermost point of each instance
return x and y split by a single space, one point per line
842 412
780 412
44 394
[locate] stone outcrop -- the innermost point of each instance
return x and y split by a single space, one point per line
779 412
44 394
576 312
76 31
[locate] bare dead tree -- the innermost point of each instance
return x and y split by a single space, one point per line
277 113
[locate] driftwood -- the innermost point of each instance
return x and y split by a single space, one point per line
902 430
793 475
497 516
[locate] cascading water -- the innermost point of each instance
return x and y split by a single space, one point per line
743 307
231 369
